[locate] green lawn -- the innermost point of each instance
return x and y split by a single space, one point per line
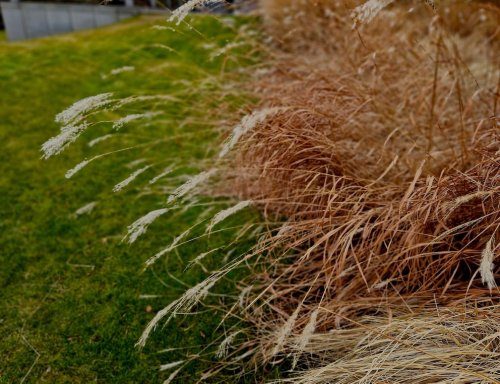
71 306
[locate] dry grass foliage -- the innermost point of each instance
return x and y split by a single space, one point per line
444 347
382 160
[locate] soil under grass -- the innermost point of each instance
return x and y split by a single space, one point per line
71 307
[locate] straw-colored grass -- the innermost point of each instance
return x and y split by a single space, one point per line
376 148
445 346
381 157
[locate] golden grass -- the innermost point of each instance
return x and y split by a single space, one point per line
376 147
459 346
382 156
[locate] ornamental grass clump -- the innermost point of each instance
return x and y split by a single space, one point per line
374 157
381 159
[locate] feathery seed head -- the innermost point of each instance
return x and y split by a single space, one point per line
139 227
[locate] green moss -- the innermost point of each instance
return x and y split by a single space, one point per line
70 290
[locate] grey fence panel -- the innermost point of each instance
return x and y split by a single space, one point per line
13 20
122 13
59 19
105 16
35 20
25 20
82 17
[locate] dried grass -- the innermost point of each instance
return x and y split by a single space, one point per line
449 346
383 154
379 148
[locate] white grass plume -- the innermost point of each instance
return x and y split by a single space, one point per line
99 139
164 28
140 226
305 337
227 48
208 46
180 13
83 106
164 173
86 209
284 229
170 248
166 367
200 257
126 68
71 172
366 12
189 185
223 348
486 266
135 162
172 376
118 187
159 27
117 104
137 116
224 214
244 292
382 284
74 124
246 124
183 304
56 144
285 331
165 47
148 296
451 206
